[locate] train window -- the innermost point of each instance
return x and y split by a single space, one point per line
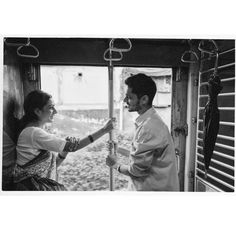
81 97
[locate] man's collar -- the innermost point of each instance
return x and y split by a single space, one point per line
139 120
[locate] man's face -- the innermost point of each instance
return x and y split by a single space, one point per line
132 101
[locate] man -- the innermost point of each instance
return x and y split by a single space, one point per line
153 163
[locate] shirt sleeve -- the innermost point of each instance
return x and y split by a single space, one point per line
45 141
143 149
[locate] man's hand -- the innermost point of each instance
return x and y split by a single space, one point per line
111 161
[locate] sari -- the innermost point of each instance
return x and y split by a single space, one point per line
39 174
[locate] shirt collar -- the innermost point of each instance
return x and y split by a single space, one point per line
141 118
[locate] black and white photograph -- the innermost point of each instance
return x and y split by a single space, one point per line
119 114
117 118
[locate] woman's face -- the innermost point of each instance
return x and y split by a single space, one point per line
47 113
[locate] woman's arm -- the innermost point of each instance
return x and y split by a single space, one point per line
61 157
74 145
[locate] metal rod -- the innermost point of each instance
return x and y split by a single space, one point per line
220 95
220 67
217 171
216 179
220 154
222 109
230 50
219 145
110 113
222 80
226 94
218 162
221 53
220 136
209 184
221 122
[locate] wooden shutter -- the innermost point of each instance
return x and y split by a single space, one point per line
221 171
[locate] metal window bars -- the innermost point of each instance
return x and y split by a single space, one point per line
112 54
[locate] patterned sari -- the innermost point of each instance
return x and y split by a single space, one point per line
39 174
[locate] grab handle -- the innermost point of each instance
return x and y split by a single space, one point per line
117 49
190 52
21 54
107 53
202 49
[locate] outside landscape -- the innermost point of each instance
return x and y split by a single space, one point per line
80 95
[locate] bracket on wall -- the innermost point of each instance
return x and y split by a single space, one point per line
181 130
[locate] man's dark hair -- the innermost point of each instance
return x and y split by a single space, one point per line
141 85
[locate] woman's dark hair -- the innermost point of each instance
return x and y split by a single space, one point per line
141 85
35 99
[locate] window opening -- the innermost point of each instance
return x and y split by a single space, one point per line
81 97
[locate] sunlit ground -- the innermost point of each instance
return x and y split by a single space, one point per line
85 170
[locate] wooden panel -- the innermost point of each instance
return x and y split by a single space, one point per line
178 117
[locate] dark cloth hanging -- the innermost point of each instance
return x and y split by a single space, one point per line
211 119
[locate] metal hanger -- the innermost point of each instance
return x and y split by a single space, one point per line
112 48
20 50
108 56
212 52
117 49
191 54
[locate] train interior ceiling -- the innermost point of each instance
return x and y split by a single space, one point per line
192 63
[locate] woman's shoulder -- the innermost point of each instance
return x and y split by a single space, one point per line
28 131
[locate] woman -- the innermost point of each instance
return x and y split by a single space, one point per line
36 164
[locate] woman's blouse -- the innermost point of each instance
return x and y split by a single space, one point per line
34 139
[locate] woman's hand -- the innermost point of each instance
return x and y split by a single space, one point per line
109 125
72 144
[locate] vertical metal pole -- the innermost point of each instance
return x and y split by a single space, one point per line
110 110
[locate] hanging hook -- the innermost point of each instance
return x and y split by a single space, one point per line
27 46
117 49
212 52
112 58
190 52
